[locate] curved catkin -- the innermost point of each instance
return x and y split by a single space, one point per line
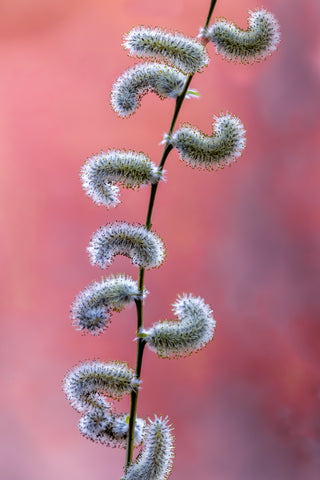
181 52
155 460
211 152
91 310
109 428
127 168
195 328
143 247
246 46
85 385
137 81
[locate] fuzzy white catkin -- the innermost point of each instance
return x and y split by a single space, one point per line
143 247
181 52
211 152
137 81
91 310
127 168
155 460
109 428
195 328
246 46
85 385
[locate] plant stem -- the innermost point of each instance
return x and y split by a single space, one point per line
167 150
139 303
213 4
134 394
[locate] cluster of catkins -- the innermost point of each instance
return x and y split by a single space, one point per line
89 385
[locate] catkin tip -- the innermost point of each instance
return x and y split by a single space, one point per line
110 429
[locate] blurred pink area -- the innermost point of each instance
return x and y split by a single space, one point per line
246 239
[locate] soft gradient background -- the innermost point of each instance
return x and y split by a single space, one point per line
244 238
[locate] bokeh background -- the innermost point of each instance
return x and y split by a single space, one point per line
245 238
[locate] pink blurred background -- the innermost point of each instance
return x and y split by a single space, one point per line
246 239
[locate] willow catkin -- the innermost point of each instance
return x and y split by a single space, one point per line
86 385
92 309
210 151
156 458
137 81
127 168
193 330
143 247
183 53
247 46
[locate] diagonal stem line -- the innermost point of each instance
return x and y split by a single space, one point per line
139 302
213 4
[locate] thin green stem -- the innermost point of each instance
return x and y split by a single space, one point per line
140 348
134 394
139 302
213 4
167 150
